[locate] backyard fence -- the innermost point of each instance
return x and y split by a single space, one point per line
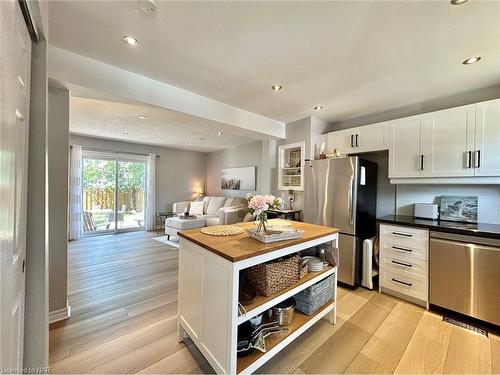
134 199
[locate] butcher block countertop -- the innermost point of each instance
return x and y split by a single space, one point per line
241 246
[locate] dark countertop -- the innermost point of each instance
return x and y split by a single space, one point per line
470 229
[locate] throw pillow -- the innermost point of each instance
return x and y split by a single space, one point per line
196 208
214 204
205 204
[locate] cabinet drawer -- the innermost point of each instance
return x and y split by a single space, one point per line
397 249
404 240
405 283
404 265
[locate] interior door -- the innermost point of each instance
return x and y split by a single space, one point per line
487 154
15 53
450 142
406 147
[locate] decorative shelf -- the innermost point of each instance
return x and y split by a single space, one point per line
291 159
263 303
274 343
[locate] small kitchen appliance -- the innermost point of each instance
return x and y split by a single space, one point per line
426 211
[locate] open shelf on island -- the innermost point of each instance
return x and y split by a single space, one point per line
263 303
301 322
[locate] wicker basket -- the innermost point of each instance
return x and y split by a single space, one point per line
316 296
273 277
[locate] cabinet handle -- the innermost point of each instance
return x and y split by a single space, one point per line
469 159
478 159
357 137
402 234
421 162
401 263
352 140
401 282
402 248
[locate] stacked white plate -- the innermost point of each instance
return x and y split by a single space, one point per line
314 264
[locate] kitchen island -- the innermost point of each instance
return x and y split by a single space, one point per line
209 274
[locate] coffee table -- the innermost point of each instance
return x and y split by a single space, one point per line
175 224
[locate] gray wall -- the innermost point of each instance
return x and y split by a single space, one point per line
247 155
178 172
57 153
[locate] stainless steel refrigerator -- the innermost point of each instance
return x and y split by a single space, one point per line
342 193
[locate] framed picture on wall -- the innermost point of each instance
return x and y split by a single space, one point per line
242 178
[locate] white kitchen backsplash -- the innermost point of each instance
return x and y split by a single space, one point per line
488 198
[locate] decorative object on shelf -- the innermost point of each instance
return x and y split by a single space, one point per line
242 178
273 277
295 158
259 204
459 208
313 298
222 230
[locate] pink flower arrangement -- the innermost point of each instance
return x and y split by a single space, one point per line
259 204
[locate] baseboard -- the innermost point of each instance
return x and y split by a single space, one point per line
61 314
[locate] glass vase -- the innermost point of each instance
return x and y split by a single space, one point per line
261 227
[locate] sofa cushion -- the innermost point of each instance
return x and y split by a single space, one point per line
196 208
236 201
211 221
214 204
205 204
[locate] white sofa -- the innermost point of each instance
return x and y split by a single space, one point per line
217 210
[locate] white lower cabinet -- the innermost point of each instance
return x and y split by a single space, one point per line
404 263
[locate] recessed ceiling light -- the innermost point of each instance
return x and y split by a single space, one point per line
458 2
124 133
190 143
277 87
130 40
318 108
471 60
219 133
142 117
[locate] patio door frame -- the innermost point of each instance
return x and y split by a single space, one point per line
117 157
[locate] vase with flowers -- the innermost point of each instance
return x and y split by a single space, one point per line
259 205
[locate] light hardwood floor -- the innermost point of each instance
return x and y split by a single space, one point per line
123 290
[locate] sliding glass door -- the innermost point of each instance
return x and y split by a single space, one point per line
113 192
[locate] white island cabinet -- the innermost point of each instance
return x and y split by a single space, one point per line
209 271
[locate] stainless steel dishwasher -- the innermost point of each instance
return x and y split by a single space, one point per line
465 275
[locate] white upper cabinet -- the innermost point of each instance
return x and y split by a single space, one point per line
449 142
487 149
407 149
367 138
340 140
373 137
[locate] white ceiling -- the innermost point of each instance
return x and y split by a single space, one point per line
354 58
119 120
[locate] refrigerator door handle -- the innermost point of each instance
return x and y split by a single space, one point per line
349 199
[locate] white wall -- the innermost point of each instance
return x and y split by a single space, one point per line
178 172
488 198
247 155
